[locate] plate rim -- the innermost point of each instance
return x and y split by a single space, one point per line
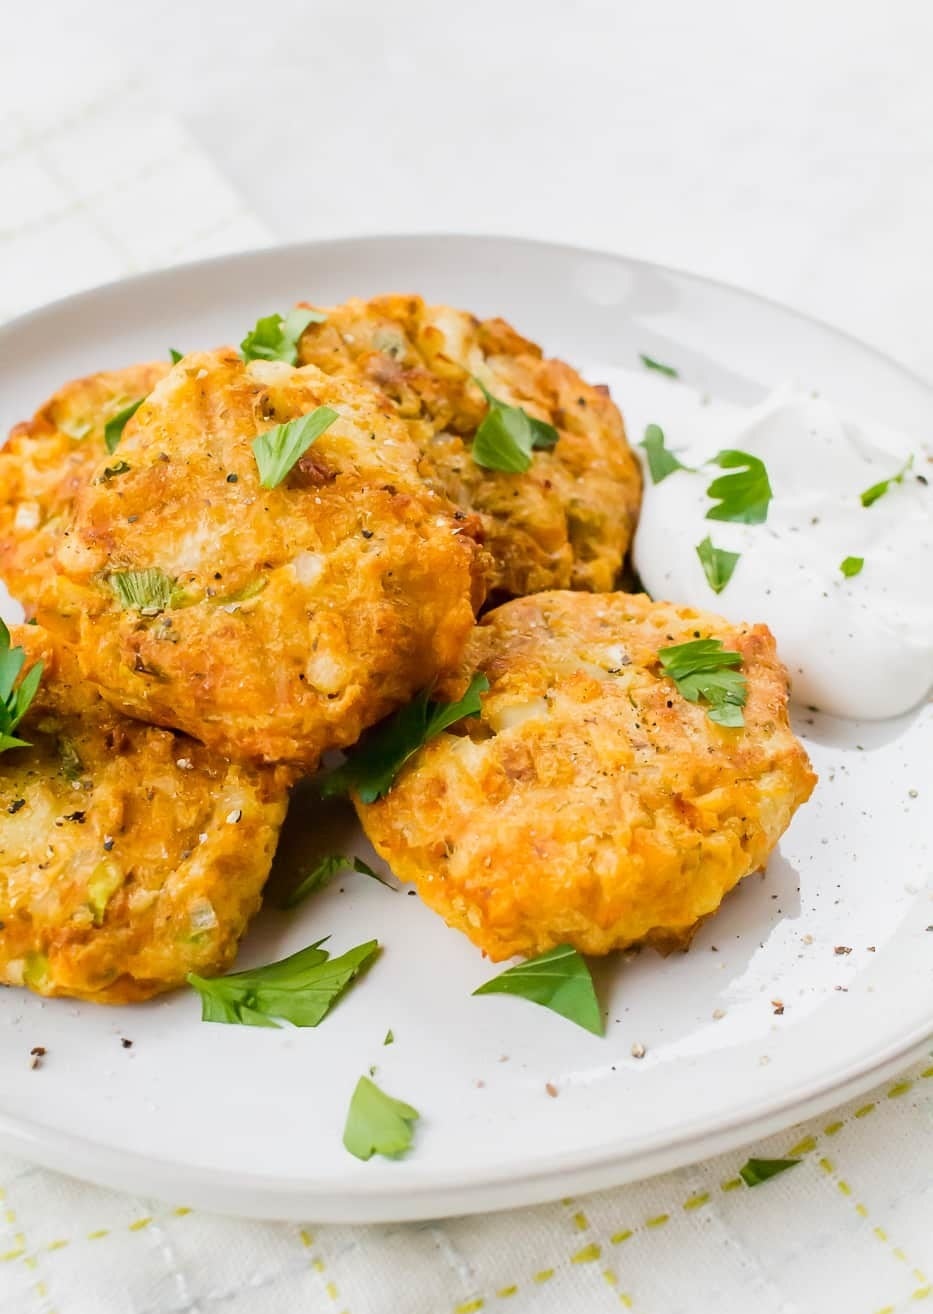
381 1199
249 253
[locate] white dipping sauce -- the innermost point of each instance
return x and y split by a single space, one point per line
859 647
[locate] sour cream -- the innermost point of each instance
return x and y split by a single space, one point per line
856 647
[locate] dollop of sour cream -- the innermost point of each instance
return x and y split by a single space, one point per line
858 647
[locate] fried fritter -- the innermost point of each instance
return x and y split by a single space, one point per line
590 803
129 855
271 624
565 523
47 459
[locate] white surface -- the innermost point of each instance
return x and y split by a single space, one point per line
176 1114
789 152
861 646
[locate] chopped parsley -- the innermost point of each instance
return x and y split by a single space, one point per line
377 1123
278 450
113 429
275 338
299 989
717 563
559 980
111 471
174 356
373 764
142 590
756 1171
871 495
851 566
508 435
743 497
651 364
324 873
661 461
390 1038
703 669
15 698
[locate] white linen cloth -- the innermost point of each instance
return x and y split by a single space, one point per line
91 185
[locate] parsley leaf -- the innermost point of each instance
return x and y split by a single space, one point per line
871 495
275 338
111 471
700 669
558 979
744 497
14 698
756 1171
376 760
174 356
851 566
301 988
279 449
324 873
651 364
142 590
661 462
389 1038
113 429
717 563
378 1124
508 435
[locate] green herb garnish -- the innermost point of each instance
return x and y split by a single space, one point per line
757 1171
113 429
279 449
275 338
651 364
508 435
559 980
717 563
744 497
378 1124
300 989
374 763
703 669
15 698
111 471
174 356
324 873
871 495
142 590
390 1038
851 566
661 461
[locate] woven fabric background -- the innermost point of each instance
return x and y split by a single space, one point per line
91 181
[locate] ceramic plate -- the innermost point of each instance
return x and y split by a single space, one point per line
249 1121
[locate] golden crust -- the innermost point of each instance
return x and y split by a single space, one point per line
129 855
590 803
568 521
300 614
47 459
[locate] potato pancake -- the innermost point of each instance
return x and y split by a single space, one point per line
271 623
567 521
129 855
47 459
590 803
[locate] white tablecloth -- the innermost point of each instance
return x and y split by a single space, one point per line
100 178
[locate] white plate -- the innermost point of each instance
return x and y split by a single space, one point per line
249 1121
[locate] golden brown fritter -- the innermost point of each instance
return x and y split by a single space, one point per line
591 804
129 855
565 523
285 620
47 459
